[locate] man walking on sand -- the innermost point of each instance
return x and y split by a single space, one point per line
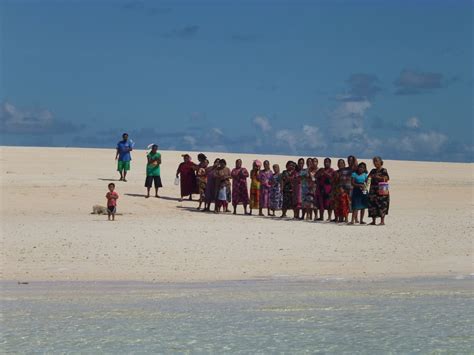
124 147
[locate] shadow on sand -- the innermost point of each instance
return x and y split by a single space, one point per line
108 179
153 196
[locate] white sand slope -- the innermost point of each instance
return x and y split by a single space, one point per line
48 232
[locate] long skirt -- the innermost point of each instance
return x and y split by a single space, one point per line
210 191
264 197
254 197
378 205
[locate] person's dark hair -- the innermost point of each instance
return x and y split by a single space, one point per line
217 160
201 157
222 161
300 159
341 160
327 159
154 146
374 159
111 184
125 134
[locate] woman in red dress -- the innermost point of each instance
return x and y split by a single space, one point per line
187 173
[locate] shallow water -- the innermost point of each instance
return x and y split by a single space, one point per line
401 316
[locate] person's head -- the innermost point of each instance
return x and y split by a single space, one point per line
216 162
256 164
154 148
341 164
238 163
125 136
378 162
341 189
205 163
361 168
327 163
276 168
222 163
309 163
186 158
266 165
201 158
300 163
351 160
111 187
315 162
291 166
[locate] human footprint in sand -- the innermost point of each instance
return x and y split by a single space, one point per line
111 197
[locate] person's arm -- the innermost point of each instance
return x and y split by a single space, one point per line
179 170
245 173
117 153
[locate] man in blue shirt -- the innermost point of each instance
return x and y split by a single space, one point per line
124 147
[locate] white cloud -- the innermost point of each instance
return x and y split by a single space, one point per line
310 137
424 142
347 120
263 123
31 121
413 122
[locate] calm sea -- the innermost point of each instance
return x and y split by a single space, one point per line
327 316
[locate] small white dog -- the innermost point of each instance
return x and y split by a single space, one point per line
98 209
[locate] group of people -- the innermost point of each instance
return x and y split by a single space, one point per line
303 187
311 192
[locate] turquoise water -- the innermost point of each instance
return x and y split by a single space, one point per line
402 316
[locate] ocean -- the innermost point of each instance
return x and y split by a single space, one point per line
267 316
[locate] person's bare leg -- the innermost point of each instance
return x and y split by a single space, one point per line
245 209
373 221
156 192
362 212
121 175
321 214
260 211
148 192
354 216
190 197
125 175
235 209
113 216
329 214
382 220
283 212
109 215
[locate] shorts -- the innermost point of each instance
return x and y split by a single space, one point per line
153 179
112 209
123 165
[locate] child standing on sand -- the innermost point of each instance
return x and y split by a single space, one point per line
222 198
111 197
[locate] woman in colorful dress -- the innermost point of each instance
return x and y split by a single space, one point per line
317 194
379 198
255 186
307 189
240 194
276 196
287 187
222 183
264 178
359 193
201 177
325 186
210 191
297 193
187 174
339 185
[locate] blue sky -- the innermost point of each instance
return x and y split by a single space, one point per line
392 78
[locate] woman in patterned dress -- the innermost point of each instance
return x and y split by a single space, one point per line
264 178
379 199
297 193
201 177
210 191
287 187
276 196
317 194
240 194
255 186
325 186
307 189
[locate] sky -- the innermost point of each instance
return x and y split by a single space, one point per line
309 78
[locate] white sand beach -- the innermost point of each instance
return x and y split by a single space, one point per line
48 232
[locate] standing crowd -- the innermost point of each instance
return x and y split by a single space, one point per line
309 191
